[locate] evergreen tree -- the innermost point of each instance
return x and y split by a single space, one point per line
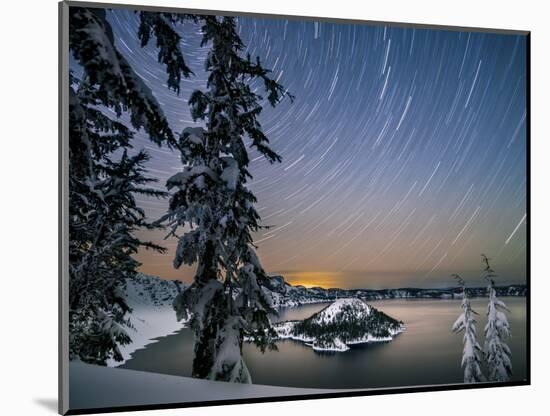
215 209
466 322
497 353
103 218
104 178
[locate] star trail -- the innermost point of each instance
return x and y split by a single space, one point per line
404 152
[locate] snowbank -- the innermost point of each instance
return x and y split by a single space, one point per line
152 313
96 387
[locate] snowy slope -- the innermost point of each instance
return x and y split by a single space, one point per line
340 310
340 324
97 387
152 316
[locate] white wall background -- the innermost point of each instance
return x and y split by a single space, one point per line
28 163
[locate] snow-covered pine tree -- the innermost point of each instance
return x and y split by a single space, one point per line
497 353
471 360
103 218
104 178
215 210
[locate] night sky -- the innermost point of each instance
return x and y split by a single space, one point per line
404 153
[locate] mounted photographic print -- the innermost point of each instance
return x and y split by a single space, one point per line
259 208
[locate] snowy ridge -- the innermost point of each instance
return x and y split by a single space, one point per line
344 322
150 299
284 295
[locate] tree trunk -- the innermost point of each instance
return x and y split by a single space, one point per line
206 332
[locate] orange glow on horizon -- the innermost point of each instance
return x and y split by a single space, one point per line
325 280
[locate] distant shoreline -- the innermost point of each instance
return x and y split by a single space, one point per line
285 294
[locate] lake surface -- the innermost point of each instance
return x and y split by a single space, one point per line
426 353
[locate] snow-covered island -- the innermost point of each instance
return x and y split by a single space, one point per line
342 323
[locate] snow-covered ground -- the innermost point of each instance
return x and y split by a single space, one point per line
285 330
152 313
96 387
336 345
332 312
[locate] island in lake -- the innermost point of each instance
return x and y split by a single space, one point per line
340 324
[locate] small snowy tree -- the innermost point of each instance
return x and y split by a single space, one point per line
215 209
471 361
497 353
